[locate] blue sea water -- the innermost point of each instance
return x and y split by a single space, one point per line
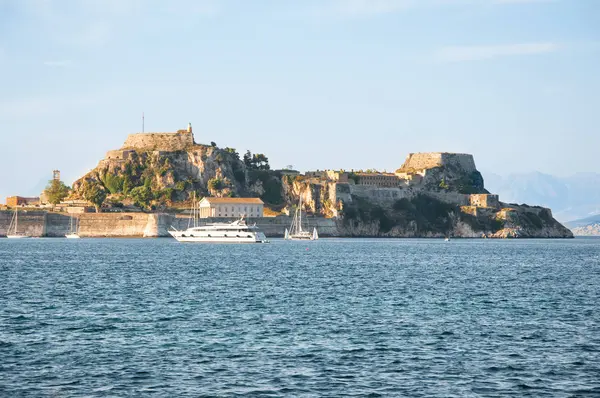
346 317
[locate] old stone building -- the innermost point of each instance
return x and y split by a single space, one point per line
13 201
231 207
484 200
339 176
382 180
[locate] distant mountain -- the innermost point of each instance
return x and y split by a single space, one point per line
589 226
570 198
584 222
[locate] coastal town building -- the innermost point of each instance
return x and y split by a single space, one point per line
338 176
315 174
13 201
381 180
231 207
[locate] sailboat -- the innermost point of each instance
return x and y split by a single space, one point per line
74 230
296 232
13 229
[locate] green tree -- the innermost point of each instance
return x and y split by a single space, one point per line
95 193
444 184
127 184
215 184
56 191
113 183
260 161
248 159
180 185
233 152
142 196
256 161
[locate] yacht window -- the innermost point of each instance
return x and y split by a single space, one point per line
225 235
209 235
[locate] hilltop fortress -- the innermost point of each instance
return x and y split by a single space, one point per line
166 142
430 160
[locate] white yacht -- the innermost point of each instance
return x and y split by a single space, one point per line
237 231
13 229
296 231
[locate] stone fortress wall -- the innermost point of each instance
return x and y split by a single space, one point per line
178 141
137 225
429 160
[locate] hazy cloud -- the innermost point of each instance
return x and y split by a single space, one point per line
478 53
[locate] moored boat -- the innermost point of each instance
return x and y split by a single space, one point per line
237 231
74 230
296 231
13 229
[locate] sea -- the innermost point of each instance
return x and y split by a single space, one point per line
329 318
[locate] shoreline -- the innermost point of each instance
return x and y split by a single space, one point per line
38 223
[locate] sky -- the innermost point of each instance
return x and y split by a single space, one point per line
315 84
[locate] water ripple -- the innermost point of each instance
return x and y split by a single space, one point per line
360 317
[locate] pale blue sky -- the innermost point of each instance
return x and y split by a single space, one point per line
316 83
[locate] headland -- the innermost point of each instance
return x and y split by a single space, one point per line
146 185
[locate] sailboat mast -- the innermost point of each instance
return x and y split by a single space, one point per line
16 219
300 215
197 216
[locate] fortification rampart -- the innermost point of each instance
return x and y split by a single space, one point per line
31 223
430 160
131 225
160 141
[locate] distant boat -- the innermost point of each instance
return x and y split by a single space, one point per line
296 232
13 229
74 230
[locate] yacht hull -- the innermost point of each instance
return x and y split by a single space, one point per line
182 236
18 236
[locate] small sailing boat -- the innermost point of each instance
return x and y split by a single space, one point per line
74 230
296 232
13 229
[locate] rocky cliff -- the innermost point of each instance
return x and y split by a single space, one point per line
157 170
437 195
